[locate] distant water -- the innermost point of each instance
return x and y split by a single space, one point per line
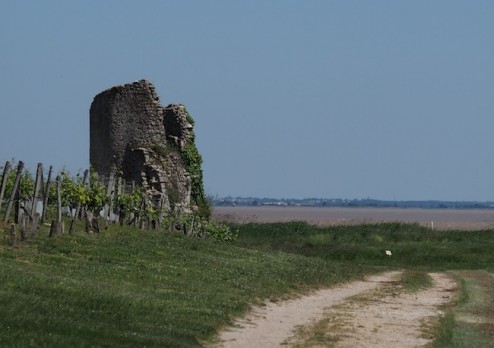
444 219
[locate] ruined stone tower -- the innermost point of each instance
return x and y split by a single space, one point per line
133 136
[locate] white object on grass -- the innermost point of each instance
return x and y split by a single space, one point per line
388 252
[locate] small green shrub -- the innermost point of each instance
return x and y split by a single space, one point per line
220 232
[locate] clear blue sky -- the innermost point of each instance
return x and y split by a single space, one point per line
388 99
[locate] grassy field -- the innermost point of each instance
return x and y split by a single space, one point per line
128 287
412 246
136 288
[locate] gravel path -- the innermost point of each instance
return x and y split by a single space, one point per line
383 319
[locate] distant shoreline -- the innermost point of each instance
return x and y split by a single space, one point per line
349 203
437 218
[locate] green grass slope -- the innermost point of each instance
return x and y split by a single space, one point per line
131 288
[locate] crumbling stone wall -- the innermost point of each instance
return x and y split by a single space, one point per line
133 136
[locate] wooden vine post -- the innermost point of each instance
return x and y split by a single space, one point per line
20 168
85 182
37 185
92 220
59 199
57 225
3 185
46 195
17 201
110 192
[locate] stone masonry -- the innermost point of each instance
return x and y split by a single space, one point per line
133 136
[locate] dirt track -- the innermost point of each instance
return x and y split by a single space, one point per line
374 312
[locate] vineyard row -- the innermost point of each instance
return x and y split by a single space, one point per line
27 200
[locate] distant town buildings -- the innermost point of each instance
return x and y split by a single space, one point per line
339 202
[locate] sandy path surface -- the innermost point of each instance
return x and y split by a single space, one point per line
271 325
366 314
